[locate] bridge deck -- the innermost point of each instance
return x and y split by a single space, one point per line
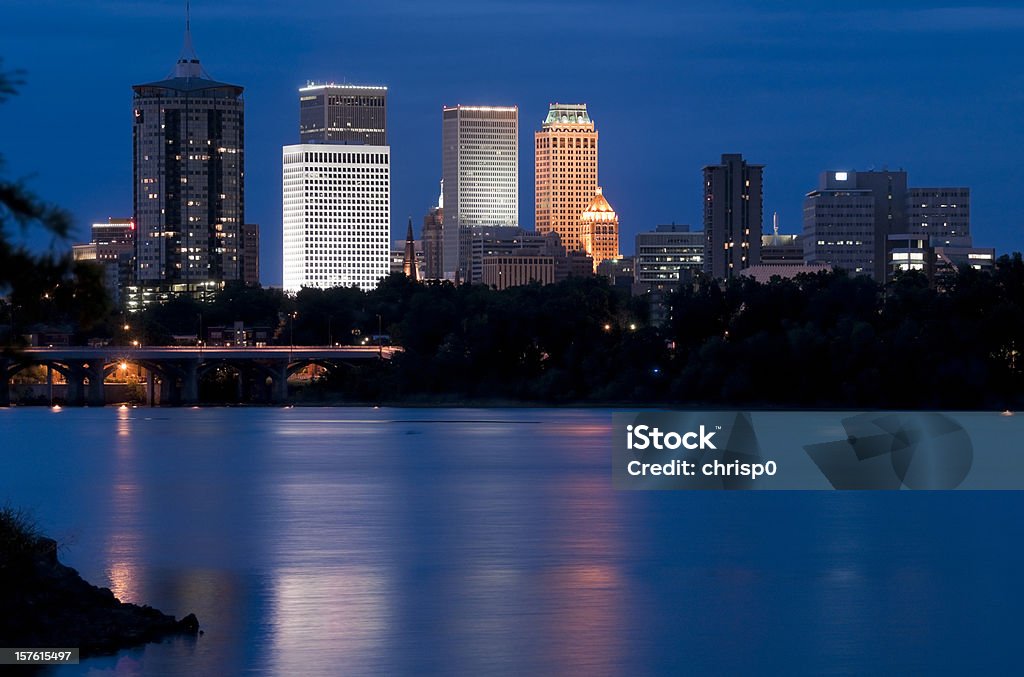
113 353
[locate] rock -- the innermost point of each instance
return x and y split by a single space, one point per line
48 604
189 624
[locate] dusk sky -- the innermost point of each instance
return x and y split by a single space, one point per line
801 87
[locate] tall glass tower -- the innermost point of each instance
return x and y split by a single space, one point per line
189 204
480 168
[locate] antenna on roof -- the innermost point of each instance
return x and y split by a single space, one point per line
188 63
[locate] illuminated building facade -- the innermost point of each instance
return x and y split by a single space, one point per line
345 114
565 172
733 212
599 228
336 215
188 147
480 168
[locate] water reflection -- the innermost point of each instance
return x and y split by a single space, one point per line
323 542
124 539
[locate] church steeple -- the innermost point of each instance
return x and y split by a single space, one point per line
409 258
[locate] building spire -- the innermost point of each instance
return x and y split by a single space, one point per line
409 258
188 63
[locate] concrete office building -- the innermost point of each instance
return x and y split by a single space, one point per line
337 215
733 212
840 224
779 249
865 222
939 212
188 167
485 241
513 270
666 256
565 170
343 114
480 168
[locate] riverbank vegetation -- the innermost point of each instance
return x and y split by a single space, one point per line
821 340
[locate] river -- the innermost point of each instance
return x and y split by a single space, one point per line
326 541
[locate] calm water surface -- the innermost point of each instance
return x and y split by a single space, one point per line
441 541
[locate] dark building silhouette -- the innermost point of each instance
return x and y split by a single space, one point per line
733 211
433 240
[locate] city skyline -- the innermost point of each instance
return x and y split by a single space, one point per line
811 104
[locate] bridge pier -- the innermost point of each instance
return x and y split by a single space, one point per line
279 395
190 382
5 383
166 390
76 384
95 394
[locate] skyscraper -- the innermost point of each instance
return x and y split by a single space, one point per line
188 145
599 229
348 114
337 189
336 215
480 168
733 211
565 171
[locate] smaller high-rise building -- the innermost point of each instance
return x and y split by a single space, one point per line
666 256
599 230
733 216
869 223
112 246
343 114
249 251
433 240
939 212
481 242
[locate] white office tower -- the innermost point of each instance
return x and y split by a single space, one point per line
480 168
337 215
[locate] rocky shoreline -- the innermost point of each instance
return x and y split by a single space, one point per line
44 603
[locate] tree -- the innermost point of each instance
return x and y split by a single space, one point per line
39 287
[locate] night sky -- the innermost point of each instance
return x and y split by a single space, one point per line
934 88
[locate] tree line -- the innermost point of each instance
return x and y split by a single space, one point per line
826 339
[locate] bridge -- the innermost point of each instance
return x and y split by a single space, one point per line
176 371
